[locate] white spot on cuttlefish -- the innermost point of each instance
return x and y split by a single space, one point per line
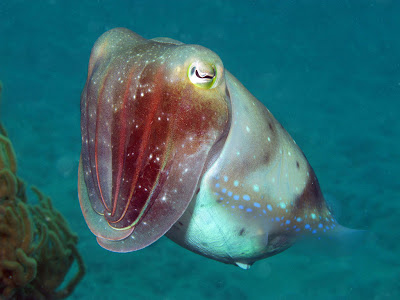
243 265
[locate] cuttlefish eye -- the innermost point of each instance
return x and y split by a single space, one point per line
202 75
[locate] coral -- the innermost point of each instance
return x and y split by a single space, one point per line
37 247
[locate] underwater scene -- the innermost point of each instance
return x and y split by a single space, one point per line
199 149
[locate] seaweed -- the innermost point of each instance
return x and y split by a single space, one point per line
37 246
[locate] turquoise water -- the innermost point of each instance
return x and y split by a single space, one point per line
328 70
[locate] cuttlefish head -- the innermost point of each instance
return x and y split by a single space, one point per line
172 142
152 114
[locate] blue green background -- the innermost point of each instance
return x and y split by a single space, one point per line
328 70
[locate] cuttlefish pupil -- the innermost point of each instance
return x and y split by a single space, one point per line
204 75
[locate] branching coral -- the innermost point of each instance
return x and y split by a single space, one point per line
37 247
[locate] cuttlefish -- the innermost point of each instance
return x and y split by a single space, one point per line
173 144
